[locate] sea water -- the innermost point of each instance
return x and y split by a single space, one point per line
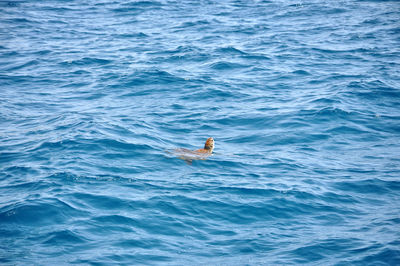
302 98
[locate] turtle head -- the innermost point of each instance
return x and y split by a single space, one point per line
209 145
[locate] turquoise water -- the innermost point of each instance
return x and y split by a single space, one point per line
301 97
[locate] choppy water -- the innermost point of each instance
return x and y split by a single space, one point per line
301 97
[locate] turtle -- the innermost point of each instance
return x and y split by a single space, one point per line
200 154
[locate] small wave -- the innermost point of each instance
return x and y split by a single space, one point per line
137 6
312 252
153 76
22 21
37 213
23 65
369 186
131 35
229 50
190 24
87 61
257 57
223 65
103 145
301 72
346 130
63 237
372 89
8 156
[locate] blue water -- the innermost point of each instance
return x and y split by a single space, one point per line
301 97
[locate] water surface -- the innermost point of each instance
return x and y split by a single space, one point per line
301 97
